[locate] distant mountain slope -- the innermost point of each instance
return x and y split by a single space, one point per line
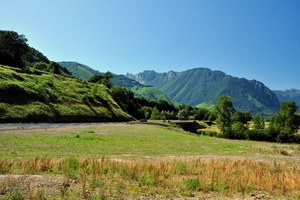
78 70
140 90
288 95
200 85
84 72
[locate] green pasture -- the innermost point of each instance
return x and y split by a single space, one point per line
131 141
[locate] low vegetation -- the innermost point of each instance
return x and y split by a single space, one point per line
142 161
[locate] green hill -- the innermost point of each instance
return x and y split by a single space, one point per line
201 85
40 96
148 92
206 105
79 70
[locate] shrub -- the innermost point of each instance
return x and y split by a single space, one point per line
40 66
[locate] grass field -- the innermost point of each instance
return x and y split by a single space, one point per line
129 161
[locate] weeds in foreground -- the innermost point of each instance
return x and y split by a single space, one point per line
105 178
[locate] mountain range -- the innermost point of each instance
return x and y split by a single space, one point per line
199 87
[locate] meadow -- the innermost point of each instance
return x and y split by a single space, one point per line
142 161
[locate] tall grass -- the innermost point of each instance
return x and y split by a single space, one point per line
168 178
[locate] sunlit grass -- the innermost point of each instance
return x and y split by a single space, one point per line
134 160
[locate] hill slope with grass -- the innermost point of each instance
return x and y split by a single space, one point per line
84 72
201 85
40 96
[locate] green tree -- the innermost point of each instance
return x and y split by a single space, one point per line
13 48
54 67
41 66
155 114
241 116
146 110
126 100
285 123
258 122
224 110
103 79
239 131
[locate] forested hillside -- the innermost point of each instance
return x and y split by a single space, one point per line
200 85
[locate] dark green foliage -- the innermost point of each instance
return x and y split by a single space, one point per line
241 116
259 122
35 56
55 68
146 110
40 66
103 79
224 110
236 131
259 135
13 48
285 123
155 114
283 126
15 94
126 100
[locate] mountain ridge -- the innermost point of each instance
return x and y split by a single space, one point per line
149 80
198 85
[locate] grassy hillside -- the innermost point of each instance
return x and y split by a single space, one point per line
204 85
38 96
148 92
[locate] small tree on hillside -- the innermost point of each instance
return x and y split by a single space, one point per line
103 79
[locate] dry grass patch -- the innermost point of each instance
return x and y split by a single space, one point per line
107 178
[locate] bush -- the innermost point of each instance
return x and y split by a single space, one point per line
259 135
236 131
40 66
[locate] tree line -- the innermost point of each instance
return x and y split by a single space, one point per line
281 127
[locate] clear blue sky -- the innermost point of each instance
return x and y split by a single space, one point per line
254 39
